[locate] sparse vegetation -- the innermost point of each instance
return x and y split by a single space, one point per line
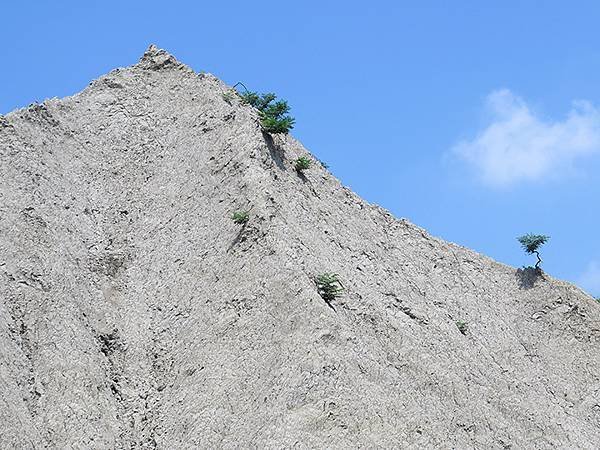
241 217
251 98
329 286
228 96
274 116
302 163
324 164
462 326
531 243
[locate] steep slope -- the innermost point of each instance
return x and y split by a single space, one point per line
135 314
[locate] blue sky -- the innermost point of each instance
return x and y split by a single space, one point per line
476 120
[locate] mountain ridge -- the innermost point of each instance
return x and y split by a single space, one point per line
136 314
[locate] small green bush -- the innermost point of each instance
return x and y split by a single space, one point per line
302 163
462 326
240 217
277 125
329 286
531 243
274 116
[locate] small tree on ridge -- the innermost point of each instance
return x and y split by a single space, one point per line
274 116
531 243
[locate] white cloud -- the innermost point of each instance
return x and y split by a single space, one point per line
590 279
519 146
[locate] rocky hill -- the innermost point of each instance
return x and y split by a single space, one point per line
134 313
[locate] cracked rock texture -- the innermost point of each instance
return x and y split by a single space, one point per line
134 313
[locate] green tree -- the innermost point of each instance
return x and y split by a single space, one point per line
531 243
274 116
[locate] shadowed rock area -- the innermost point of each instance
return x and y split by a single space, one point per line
134 313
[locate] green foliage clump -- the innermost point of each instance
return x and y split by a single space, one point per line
252 99
462 326
329 286
274 116
302 163
240 217
531 243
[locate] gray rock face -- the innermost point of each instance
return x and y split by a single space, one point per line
134 313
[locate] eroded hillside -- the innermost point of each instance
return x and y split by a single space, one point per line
134 313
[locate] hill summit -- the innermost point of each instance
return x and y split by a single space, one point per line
135 313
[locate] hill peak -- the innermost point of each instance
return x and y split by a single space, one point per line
155 58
